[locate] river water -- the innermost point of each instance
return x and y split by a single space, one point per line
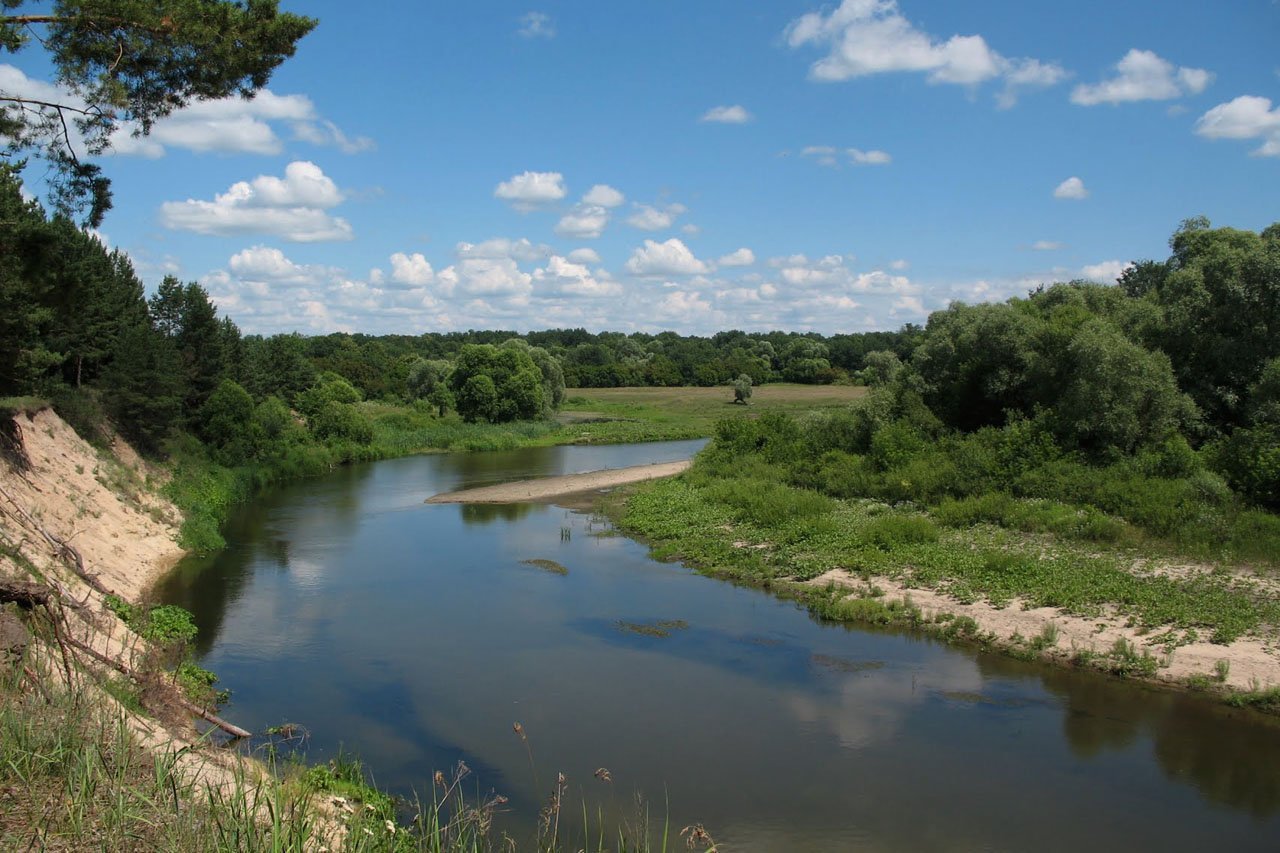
415 636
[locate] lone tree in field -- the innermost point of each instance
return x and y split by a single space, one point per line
742 389
125 64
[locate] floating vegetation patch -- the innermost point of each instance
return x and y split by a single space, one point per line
661 628
547 566
969 697
840 664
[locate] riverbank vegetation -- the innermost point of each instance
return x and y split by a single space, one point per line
1108 451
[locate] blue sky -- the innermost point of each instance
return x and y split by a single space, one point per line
702 165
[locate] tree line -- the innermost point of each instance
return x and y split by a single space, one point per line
1156 400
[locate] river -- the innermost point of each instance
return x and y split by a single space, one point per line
416 636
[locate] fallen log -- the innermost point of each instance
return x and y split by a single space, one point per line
229 728
28 596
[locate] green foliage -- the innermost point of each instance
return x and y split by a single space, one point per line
497 384
742 389
891 531
82 410
168 624
428 380
1220 314
143 387
198 683
1266 700
1250 459
273 418
329 388
766 502
227 424
121 58
477 399
184 315
126 611
1119 396
883 367
337 421
976 363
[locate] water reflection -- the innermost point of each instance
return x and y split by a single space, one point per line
414 633
1229 755
481 514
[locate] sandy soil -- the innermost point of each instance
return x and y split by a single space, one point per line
1254 663
95 501
549 488
99 503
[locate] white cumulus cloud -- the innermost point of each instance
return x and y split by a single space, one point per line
1072 188
866 37
603 195
413 270
503 247
584 256
660 259
266 264
649 218
530 190
1245 117
561 277
1105 272
735 114
293 208
743 257
584 222
1027 74
1143 76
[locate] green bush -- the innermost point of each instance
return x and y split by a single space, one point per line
894 444
769 503
1250 459
168 624
891 531
341 422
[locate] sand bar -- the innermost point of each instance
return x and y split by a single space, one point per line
546 488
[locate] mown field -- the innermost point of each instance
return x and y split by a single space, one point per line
614 415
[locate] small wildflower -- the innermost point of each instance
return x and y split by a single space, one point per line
391 827
604 775
368 832
440 779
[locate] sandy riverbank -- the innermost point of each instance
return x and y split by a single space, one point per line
548 488
1254 662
